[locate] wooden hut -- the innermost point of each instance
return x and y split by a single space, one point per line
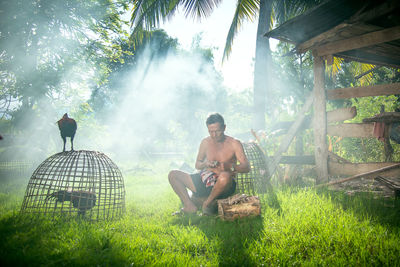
366 31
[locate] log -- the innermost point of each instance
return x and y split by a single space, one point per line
320 121
365 130
364 174
341 114
362 168
238 206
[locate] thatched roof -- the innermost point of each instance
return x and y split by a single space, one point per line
367 31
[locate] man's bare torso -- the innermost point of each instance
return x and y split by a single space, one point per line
223 152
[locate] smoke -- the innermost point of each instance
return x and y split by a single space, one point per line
164 105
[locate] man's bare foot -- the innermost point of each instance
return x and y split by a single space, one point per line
208 208
189 208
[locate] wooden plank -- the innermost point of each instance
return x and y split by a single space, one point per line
390 170
290 135
361 168
363 91
364 130
364 40
383 9
320 122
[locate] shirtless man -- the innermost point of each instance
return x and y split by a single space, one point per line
217 161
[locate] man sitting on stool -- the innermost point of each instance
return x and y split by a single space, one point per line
217 161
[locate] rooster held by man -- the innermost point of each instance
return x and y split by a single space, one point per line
67 128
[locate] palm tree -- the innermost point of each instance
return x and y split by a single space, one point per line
148 14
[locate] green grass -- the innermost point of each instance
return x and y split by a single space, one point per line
312 228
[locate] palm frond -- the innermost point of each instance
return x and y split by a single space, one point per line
245 10
285 10
199 8
336 66
148 14
365 73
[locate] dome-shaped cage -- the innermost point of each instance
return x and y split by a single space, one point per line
254 181
77 183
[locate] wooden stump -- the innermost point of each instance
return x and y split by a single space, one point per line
239 206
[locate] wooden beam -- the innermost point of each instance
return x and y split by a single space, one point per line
364 40
387 117
367 58
336 168
320 121
290 135
364 130
363 91
317 40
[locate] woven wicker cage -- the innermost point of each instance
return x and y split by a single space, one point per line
254 181
81 183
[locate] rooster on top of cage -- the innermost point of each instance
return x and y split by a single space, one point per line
81 200
67 128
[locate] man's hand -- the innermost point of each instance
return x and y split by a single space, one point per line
226 166
212 164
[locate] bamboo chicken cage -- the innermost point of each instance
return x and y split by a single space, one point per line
83 183
253 182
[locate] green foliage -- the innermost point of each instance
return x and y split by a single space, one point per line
51 46
295 81
313 228
367 149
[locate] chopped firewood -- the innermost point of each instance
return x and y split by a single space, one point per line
239 206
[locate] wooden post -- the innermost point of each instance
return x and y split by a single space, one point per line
319 122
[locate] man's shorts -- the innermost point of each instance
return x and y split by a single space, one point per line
203 191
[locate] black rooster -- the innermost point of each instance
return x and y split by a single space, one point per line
67 128
81 200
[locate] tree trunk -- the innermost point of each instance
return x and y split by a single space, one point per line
262 65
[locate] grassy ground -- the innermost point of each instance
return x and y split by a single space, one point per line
310 228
